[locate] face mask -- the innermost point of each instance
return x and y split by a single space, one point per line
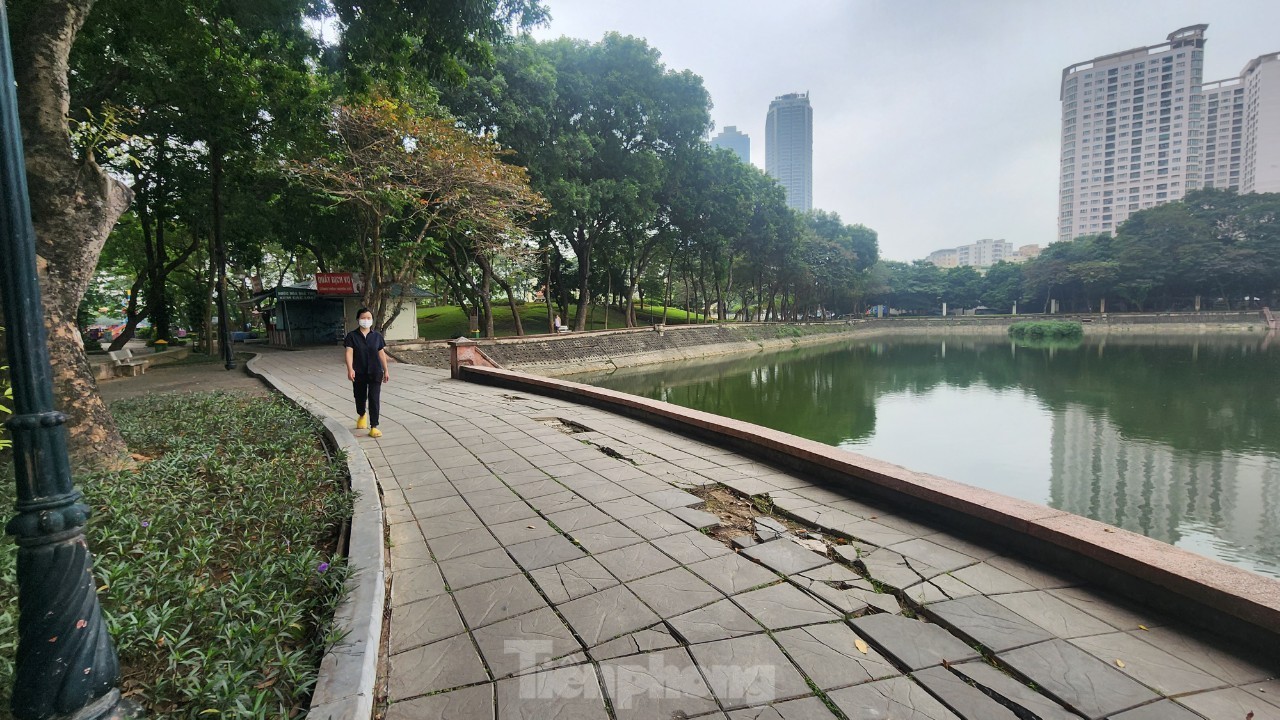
366 322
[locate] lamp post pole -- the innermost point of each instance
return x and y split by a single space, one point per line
66 666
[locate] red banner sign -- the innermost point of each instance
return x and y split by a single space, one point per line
335 284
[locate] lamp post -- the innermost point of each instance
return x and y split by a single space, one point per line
66 666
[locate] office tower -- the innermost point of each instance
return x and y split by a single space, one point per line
1242 129
1131 132
731 139
788 145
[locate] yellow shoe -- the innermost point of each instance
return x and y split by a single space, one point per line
362 422
375 433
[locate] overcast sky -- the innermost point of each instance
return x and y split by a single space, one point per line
934 123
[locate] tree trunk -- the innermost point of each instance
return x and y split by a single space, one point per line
582 248
74 205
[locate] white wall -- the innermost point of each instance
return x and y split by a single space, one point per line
405 326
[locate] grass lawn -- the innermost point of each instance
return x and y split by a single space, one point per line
442 322
214 556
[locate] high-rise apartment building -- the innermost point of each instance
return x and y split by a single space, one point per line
730 138
788 146
984 253
1242 129
1132 132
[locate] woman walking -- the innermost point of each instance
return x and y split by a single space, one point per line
367 370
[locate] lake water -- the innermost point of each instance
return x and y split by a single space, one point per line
1174 438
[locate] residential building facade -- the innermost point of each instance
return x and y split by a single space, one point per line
983 253
731 139
1132 133
788 145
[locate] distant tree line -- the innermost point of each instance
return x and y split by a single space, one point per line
1214 249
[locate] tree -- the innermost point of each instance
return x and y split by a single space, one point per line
414 181
74 204
1002 286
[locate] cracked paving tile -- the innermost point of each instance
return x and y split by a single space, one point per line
783 606
674 592
574 579
829 655
749 670
719 621
809 708
525 642
662 684
691 547
898 698
607 614
641 641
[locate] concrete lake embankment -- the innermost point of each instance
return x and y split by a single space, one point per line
570 353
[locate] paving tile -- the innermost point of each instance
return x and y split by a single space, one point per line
641 641
719 621
896 698
836 573
635 561
574 579
628 507
544 552
691 547
557 502
961 697
497 496
1147 664
525 642
578 518
520 531
1111 610
457 545
449 524
952 587
785 557
783 606
697 519
416 583
674 592
656 525
912 643
429 491
989 580
540 488
748 670
661 684
988 623
1163 710
1077 679
829 655
568 693
844 601
732 573
607 614
423 622
1053 614
472 703
431 668
478 568
892 569
1230 703
603 538
426 510
505 512
808 708
497 600
1011 692
1268 690
672 498
1229 664
1038 577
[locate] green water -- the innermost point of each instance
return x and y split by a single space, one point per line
1174 438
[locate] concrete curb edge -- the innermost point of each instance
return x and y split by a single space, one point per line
346 687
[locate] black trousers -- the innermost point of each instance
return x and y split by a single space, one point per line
368 390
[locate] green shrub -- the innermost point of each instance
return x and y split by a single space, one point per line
215 556
1046 330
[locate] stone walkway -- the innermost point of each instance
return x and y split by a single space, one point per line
547 562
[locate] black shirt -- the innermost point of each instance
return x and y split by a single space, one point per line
364 359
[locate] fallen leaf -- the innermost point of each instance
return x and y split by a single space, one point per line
529 526
1143 628
1107 530
1119 663
266 683
946 663
861 645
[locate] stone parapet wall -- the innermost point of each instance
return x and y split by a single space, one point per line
569 353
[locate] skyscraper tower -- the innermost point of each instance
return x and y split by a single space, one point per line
788 145
731 139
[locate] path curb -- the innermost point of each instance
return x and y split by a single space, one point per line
349 670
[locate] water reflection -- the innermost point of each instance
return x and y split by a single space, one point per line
1176 438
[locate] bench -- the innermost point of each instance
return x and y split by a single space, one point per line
126 364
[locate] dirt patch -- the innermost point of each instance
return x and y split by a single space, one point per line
737 514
